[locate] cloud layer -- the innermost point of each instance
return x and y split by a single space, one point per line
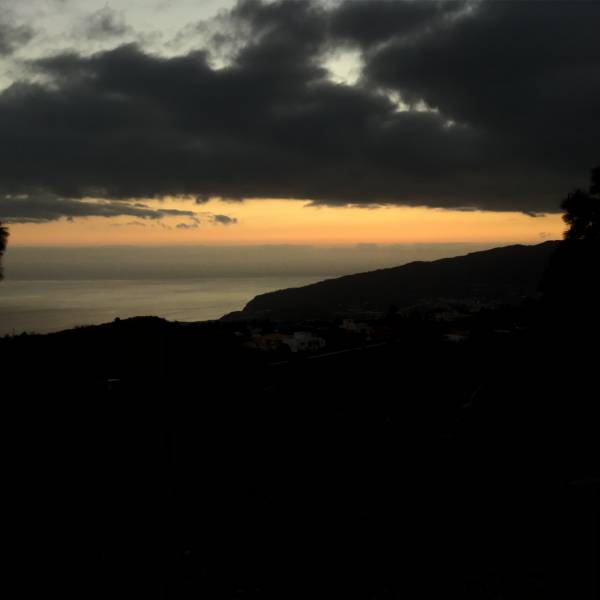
46 207
488 105
12 36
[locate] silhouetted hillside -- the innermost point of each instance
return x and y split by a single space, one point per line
215 469
499 275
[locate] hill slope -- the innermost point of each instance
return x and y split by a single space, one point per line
499 275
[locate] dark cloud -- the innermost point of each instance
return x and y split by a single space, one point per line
513 90
360 22
130 224
46 207
525 74
106 23
187 225
197 220
224 220
13 36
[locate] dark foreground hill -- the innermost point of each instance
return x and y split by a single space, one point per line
168 460
502 275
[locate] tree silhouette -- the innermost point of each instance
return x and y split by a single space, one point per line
582 211
570 284
595 187
3 240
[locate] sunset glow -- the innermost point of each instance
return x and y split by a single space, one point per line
293 222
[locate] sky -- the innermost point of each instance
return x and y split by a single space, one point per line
295 121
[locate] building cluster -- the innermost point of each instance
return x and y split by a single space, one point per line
299 341
447 321
313 337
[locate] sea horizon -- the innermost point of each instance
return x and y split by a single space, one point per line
49 289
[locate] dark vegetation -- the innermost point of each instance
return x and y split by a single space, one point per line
500 276
3 241
571 281
158 459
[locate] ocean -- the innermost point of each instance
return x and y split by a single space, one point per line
52 305
56 288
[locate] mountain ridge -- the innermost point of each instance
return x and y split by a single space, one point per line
503 274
